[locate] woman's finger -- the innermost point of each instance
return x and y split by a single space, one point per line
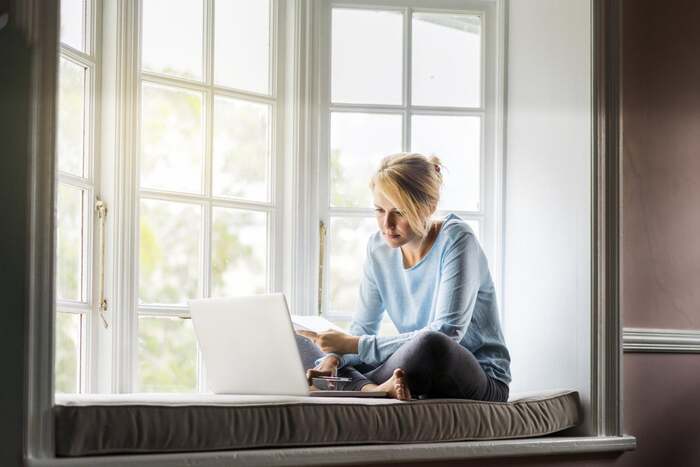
308 334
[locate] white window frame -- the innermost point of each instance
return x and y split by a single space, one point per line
490 212
125 192
37 21
126 366
90 59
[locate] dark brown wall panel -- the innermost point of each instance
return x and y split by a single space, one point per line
661 164
662 409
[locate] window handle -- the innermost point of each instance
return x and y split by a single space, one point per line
101 209
321 254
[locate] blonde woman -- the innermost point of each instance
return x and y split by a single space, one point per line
432 278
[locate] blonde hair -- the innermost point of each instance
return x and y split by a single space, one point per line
412 183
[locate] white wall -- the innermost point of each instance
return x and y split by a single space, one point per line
548 195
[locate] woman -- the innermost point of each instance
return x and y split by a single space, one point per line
432 278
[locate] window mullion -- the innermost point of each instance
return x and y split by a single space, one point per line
77 56
207 215
73 180
349 212
69 306
407 61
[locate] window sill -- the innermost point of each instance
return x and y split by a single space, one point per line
345 455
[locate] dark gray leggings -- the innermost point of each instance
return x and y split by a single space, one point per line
435 366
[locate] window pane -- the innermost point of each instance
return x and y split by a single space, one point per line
71 117
456 140
446 61
67 361
70 243
239 252
358 142
367 56
169 247
73 23
172 37
242 45
348 247
241 149
167 355
172 141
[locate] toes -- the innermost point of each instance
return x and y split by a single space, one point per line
402 392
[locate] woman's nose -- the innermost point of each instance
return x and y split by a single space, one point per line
388 221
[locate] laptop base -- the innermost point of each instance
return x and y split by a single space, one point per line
333 393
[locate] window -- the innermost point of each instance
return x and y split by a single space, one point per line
207 165
402 80
605 344
76 188
203 213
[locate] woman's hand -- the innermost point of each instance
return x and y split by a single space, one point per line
333 341
327 367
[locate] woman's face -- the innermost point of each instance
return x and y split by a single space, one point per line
392 224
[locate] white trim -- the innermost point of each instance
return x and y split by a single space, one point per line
39 23
365 454
299 279
124 16
661 340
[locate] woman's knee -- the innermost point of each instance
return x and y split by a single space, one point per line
432 342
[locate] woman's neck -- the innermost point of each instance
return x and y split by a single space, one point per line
416 249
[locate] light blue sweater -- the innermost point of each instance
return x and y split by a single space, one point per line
450 290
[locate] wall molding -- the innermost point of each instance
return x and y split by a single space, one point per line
661 340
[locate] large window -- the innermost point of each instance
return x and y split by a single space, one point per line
206 193
195 107
400 80
75 194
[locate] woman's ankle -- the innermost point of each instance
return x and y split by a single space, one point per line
369 387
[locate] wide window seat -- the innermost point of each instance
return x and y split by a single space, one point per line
95 424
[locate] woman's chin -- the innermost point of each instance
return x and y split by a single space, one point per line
394 242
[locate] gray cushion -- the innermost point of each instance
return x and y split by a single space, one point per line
138 423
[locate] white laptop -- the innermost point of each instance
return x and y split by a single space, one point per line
249 347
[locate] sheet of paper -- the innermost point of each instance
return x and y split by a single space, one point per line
314 323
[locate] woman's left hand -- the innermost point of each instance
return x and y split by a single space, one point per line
333 341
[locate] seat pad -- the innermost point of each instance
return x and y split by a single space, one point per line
98 424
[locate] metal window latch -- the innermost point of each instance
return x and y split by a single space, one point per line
101 209
321 254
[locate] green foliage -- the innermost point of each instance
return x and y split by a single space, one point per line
67 352
167 355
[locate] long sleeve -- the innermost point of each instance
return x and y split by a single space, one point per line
368 317
462 270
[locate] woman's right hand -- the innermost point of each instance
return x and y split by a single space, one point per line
327 367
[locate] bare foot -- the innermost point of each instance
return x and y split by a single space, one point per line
396 386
